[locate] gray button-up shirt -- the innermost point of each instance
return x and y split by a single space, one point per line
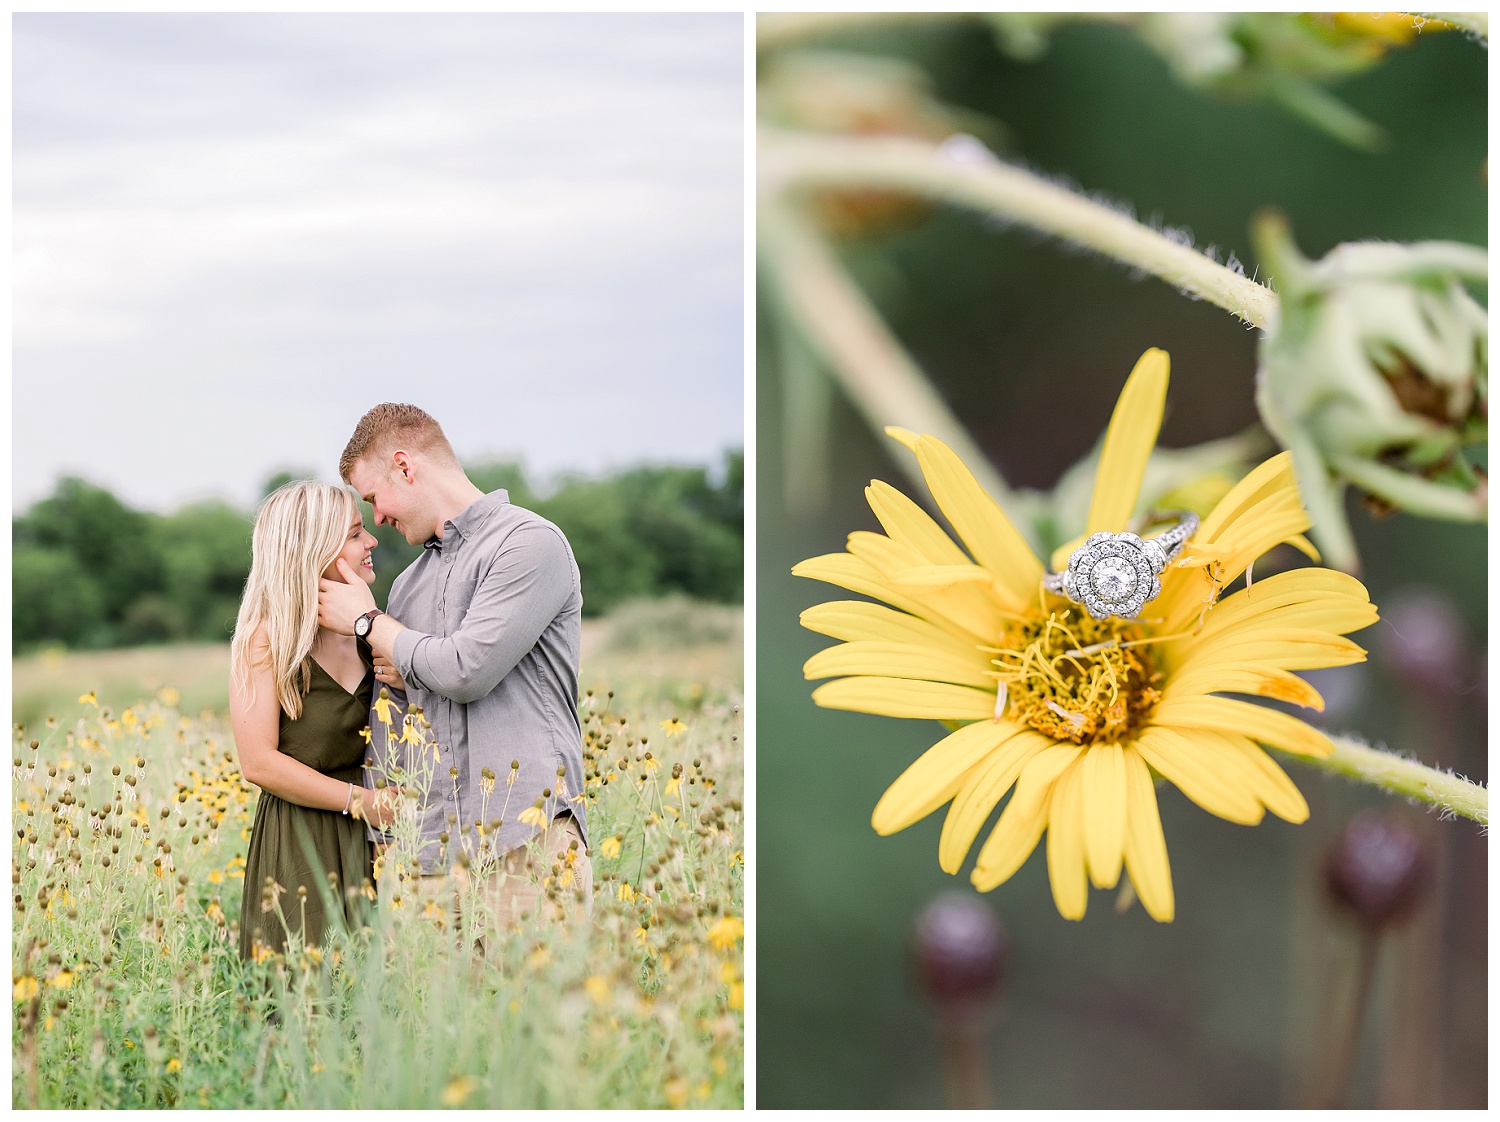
491 657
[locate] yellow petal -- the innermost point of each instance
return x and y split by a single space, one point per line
969 606
899 697
1263 481
900 660
906 437
856 620
1257 678
1145 844
1291 648
1242 718
1102 781
1189 761
857 575
981 791
980 522
1324 598
1265 777
1307 548
1065 845
1025 817
940 576
1128 442
909 524
935 776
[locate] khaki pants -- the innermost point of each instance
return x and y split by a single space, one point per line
535 883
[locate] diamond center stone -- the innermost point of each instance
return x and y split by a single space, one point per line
1113 578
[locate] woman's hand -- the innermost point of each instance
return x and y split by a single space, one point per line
387 674
378 808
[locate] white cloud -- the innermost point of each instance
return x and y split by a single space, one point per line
236 233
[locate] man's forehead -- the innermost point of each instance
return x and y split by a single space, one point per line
363 478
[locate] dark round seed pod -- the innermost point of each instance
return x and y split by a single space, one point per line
960 951
1423 639
1378 868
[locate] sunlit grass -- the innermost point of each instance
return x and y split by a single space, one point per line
131 829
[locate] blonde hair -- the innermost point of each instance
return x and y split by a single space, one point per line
299 531
387 425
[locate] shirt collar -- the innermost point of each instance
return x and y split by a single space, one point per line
473 516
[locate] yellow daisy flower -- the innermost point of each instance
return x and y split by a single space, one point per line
1079 715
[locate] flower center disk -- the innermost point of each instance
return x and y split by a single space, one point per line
1073 678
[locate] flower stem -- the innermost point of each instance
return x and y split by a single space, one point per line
1476 23
866 359
1450 793
970 176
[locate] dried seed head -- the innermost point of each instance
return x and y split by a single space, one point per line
960 951
1423 639
1378 868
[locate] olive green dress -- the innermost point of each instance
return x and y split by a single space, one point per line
299 846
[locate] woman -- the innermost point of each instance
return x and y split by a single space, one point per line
300 699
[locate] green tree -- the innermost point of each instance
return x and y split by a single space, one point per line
53 598
110 542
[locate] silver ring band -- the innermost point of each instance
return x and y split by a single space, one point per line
1116 575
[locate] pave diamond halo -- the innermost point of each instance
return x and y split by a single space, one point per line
1116 575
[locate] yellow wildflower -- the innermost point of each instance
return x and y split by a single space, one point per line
174 1065
538 958
383 707
435 913
677 1092
1090 708
533 815
129 719
726 932
409 733
597 988
168 696
459 1090
62 980
215 876
673 786
365 734
24 988
674 727
625 892
737 996
609 848
90 698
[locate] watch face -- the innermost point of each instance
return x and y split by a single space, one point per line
362 626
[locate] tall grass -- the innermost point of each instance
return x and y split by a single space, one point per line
130 835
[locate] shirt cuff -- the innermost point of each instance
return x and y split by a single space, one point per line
403 650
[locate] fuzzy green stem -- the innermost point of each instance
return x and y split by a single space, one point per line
1477 23
869 362
1450 793
983 183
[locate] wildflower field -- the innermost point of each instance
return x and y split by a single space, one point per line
131 826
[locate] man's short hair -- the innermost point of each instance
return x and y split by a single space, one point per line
389 426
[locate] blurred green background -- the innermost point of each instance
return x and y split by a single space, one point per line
1030 344
89 572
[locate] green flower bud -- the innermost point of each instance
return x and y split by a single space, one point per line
1376 373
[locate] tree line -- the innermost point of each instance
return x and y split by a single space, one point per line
90 572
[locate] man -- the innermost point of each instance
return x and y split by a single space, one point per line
482 635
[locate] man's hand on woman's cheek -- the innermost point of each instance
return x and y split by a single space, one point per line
341 603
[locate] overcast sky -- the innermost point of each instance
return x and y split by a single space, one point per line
234 234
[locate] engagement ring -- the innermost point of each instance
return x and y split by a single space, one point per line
1118 574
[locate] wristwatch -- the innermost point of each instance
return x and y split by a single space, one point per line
363 624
